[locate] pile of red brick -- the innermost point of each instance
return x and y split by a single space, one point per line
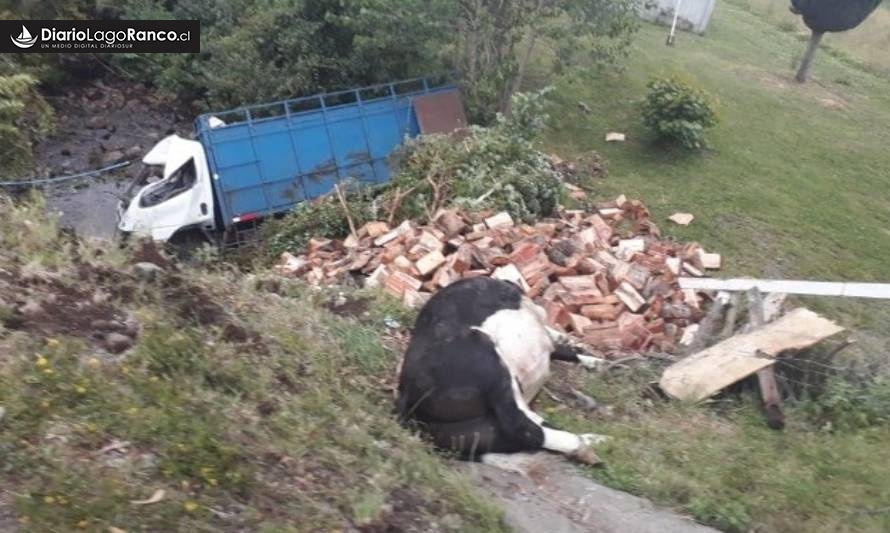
607 278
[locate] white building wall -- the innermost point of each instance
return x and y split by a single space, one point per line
694 14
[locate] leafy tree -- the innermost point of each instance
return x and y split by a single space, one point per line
495 41
255 50
24 118
828 16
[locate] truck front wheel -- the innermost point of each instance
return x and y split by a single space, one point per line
187 244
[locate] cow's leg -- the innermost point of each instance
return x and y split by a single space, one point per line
565 349
526 430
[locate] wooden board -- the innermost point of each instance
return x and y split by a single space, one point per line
440 112
703 374
815 288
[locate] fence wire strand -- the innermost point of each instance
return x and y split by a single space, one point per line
40 182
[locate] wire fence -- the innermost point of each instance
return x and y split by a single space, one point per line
42 182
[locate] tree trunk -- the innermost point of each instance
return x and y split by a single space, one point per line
807 62
520 74
524 60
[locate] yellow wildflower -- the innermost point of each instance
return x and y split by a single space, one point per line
49 500
80 389
49 371
133 411
52 343
190 506
94 362
83 524
41 362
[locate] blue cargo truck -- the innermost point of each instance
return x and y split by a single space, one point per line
261 160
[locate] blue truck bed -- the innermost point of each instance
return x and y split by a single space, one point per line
269 157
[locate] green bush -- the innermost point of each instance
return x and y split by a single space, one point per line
24 118
846 405
678 113
323 217
497 168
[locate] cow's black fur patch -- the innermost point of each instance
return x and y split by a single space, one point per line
453 382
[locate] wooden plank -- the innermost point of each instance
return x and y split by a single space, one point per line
703 374
814 288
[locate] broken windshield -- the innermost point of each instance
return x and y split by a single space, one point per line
178 182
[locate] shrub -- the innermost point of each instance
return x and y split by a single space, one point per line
678 113
323 217
846 405
24 118
496 168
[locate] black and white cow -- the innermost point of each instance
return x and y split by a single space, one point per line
479 354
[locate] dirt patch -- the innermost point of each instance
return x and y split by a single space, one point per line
775 82
148 251
832 103
78 304
347 306
579 169
405 510
197 307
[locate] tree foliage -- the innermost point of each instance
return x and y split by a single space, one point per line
25 117
823 16
495 41
254 50
834 15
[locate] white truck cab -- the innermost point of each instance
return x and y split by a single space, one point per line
172 193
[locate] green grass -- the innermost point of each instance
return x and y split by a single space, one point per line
251 406
723 466
795 185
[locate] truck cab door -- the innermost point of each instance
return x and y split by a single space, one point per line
182 199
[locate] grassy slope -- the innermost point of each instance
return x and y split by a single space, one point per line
251 406
795 186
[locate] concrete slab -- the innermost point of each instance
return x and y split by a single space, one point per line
544 492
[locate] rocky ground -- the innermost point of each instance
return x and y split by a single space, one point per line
98 125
